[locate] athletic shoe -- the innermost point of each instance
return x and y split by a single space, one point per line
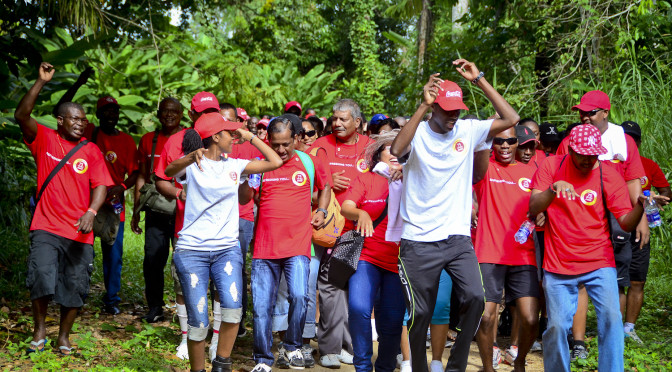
374 333
436 366
449 343
261 367
633 335
496 357
296 359
307 352
213 346
510 354
182 351
345 357
282 361
400 358
154 315
536 346
578 352
428 342
405 366
241 331
329 361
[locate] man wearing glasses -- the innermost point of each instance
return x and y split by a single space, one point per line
623 156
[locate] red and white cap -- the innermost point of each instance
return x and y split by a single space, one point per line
264 122
213 123
595 99
241 113
586 140
450 97
107 100
203 101
291 104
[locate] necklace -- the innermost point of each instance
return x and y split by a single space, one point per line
213 165
59 144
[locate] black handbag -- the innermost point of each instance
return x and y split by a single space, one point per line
345 255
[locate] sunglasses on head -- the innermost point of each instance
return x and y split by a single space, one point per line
309 133
500 141
592 113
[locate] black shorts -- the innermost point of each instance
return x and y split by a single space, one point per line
539 250
622 252
59 268
639 267
520 281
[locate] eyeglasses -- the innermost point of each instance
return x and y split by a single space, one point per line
75 119
591 113
500 141
309 133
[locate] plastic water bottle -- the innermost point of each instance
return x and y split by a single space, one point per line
524 231
254 180
652 212
117 205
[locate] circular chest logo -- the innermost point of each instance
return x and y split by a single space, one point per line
234 176
111 156
299 178
588 197
80 166
645 182
458 145
524 184
362 166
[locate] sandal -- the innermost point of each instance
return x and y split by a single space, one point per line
65 351
35 346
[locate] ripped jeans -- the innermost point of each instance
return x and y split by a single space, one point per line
195 269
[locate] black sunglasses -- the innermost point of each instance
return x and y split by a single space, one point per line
500 141
309 133
592 113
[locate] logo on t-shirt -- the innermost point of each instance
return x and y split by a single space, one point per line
458 145
524 184
299 178
588 197
362 166
80 166
645 181
111 156
234 176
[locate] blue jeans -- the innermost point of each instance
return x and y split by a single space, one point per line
561 301
265 280
195 269
374 288
245 232
112 261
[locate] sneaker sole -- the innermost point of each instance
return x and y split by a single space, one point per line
296 367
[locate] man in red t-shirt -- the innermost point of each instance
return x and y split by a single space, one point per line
345 151
60 260
577 191
282 243
120 153
503 198
639 267
539 155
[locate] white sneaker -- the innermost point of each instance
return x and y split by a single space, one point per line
436 366
261 367
329 361
536 346
345 357
374 333
213 347
405 366
182 350
496 357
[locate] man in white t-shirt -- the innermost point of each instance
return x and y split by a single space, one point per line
436 207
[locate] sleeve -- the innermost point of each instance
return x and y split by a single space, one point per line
485 145
633 167
543 177
324 159
240 165
563 148
142 151
618 198
37 146
132 160
99 173
171 151
479 131
356 192
322 175
657 176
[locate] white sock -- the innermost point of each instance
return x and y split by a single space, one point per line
217 314
182 318
628 327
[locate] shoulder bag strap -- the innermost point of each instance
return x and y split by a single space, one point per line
58 167
310 168
382 215
155 139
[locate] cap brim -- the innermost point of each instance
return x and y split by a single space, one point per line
205 107
526 141
232 125
584 107
452 105
590 151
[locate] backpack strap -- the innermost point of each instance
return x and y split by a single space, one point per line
310 168
58 167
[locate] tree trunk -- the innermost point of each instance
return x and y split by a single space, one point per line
423 36
542 67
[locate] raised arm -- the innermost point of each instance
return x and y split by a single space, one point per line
402 143
272 160
508 116
22 114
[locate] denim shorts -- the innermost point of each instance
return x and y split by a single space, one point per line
195 269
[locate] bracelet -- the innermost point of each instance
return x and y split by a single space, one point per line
251 138
480 75
552 189
124 186
323 211
95 213
177 194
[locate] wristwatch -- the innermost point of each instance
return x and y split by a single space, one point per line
323 211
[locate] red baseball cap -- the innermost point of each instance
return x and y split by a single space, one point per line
203 101
450 97
291 104
213 123
107 100
264 122
586 139
595 99
241 113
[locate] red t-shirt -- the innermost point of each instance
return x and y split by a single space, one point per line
348 158
369 191
654 175
283 228
145 150
503 199
577 234
172 150
120 153
630 169
246 151
68 194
